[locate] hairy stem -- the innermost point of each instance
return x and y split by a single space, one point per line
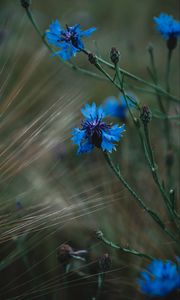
128 250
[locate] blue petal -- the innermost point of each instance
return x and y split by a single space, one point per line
53 39
111 135
88 32
85 147
107 145
78 136
66 52
100 112
76 28
115 132
90 111
55 27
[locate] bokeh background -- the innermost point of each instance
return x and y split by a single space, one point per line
50 196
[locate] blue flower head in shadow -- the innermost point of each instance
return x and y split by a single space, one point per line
117 107
160 278
96 132
169 28
69 40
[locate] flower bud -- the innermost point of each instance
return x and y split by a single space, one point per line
25 3
64 254
104 262
92 58
114 55
145 115
99 234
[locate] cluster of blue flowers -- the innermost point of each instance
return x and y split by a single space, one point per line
160 278
69 40
96 132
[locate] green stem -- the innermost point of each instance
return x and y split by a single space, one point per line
128 250
168 67
168 127
153 215
156 178
155 80
120 79
167 124
99 286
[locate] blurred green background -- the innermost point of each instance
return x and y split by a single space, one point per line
64 198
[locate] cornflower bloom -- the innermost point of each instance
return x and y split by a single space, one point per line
117 107
169 28
96 132
160 278
69 39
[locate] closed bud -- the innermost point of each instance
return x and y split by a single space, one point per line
104 262
145 115
25 3
114 55
92 58
64 254
99 234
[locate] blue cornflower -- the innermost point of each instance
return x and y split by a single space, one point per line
167 25
160 279
117 107
69 39
96 132
169 29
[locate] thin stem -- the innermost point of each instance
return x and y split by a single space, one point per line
169 56
128 250
168 127
101 277
155 79
156 178
168 68
120 79
140 201
167 124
